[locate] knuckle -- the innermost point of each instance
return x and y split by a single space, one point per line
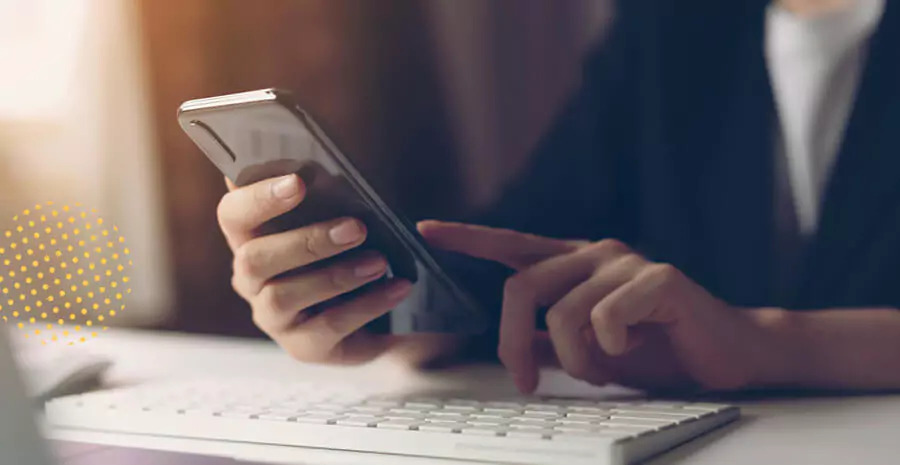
237 285
601 316
223 210
631 259
663 273
556 318
518 285
611 247
629 264
333 324
314 243
246 261
339 279
272 299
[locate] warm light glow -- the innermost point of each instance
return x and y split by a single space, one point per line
39 46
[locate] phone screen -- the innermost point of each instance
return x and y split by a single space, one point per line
259 135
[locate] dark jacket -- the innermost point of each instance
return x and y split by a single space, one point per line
669 146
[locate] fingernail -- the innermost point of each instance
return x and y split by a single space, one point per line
286 188
370 267
346 233
399 290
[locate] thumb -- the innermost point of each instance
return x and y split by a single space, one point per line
511 248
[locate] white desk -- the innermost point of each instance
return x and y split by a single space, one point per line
823 431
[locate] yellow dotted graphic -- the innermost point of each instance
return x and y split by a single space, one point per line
31 253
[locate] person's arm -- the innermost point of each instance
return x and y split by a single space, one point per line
853 349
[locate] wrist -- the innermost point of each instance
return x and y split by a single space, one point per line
777 361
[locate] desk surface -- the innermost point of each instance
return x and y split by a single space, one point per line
820 430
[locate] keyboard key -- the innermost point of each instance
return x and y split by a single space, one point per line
543 413
368 409
443 427
285 411
489 421
203 411
542 406
318 419
422 405
590 410
587 416
501 410
532 426
431 419
577 421
272 416
577 428
399 424
402 417
483 431
327 407
498 416
548 416
408 410
633 428
592 437
462 402
509 405
449 416
654 416
638 421
427 400
292 406
461 408
655 409
383 403
708 407
368 422
538 420
530 434
239 415
318 411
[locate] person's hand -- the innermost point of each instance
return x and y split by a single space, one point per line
613 315
273 273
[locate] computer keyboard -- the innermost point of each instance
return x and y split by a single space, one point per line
515 430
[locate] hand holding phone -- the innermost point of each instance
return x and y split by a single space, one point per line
317 253
283 306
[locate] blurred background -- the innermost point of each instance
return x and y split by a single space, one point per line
439 102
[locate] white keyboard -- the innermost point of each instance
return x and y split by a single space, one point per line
513 430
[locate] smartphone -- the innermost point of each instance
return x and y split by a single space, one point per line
262 134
